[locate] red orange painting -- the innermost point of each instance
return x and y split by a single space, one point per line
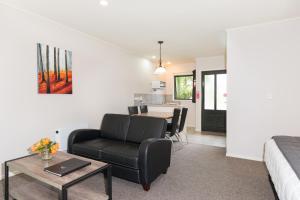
54 70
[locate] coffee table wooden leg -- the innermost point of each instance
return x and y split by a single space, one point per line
6 182
63 194
108 184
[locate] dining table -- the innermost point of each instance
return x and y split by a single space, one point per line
164 115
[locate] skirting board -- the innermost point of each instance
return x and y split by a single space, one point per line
244 157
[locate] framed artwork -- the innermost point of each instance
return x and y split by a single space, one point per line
54 70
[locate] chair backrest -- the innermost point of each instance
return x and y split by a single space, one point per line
133 110
175 119
182 119
144 108
142 128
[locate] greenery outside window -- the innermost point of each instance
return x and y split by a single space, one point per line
183 87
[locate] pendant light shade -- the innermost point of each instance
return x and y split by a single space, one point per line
160 69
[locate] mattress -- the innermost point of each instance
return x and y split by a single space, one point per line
286 182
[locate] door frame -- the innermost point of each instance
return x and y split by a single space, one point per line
210 72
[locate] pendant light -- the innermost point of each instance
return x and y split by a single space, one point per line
160 69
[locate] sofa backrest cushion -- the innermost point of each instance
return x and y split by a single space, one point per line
115 126
142 128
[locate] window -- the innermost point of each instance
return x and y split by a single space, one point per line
183 87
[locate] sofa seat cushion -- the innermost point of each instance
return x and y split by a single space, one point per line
92 148
125 154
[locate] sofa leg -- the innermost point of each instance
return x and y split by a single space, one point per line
146 187
165 171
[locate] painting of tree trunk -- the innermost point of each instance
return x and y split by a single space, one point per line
55 69
58 65
40 62
52 79
48 73
66 66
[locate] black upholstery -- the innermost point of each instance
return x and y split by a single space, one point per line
169 127
93 148
126 173
154 152
182 119
174 124
124 154
116 130
142 128
134 145
144 108
82 135
133 110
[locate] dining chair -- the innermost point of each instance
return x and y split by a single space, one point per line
182 123
173 127
133 110
144 108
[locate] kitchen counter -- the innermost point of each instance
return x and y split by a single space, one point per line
165 105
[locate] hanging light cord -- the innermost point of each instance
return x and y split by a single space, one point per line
160 62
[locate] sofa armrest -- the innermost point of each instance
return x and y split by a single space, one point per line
154 158
81 135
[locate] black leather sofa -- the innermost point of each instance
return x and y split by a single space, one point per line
134 145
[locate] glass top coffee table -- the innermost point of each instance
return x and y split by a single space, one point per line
33 167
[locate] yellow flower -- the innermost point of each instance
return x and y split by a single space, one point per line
33 148
54 148
38 145
45 141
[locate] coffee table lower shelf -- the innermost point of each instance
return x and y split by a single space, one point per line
24 187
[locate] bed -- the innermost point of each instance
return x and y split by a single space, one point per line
280 157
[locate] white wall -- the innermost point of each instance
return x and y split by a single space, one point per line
205 64
104 80
182 69
263 86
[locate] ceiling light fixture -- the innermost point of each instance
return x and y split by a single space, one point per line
153 57
103 3
160 69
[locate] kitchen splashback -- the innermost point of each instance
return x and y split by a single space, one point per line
141 98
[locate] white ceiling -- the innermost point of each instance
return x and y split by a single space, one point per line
190 28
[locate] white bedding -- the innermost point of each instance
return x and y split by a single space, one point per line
286 182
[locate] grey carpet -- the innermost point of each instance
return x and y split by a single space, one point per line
197 172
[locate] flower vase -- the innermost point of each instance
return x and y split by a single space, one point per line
46 155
